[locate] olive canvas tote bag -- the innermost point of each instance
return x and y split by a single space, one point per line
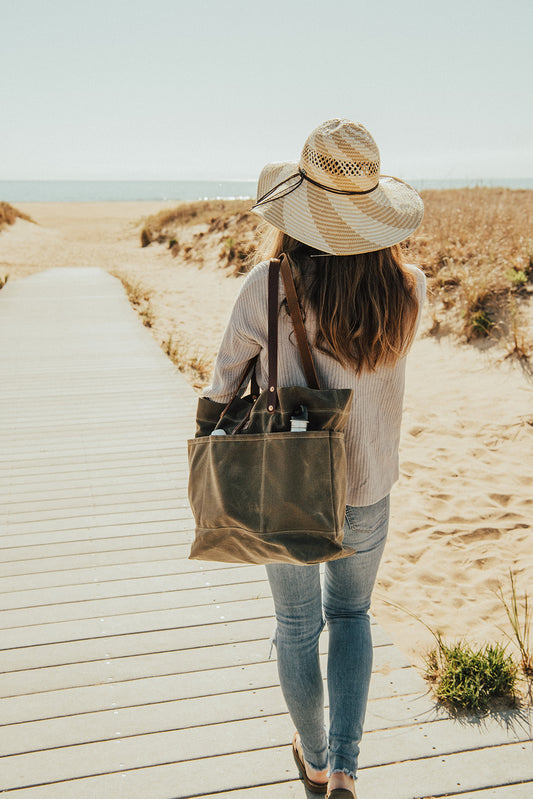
259 491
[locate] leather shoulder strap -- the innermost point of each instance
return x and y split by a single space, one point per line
299 329
298 324
250 368
273 311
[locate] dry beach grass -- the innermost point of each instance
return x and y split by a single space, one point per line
475 246
462 509
9 215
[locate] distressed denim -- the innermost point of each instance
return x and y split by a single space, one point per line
301 613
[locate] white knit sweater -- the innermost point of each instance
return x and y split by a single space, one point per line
372 433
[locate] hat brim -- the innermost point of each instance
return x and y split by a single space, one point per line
339 224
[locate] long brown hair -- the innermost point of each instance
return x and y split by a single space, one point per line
365 305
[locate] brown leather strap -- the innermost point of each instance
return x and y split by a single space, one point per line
252 363
298 324
273 312
254 385
299 329
273 283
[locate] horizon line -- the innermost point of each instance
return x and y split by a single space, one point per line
241 180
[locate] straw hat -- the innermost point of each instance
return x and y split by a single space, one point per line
335 199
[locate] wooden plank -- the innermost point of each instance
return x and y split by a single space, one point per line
143 603
522 790
142 666
437 738
152 484
135 449
188 714
129 587
445 775
103 475
153 642
120 571
97 520
114 531
118 537
293 789
213 741
49 467
84 546
163 509
82 560
134 622
220 775
54 678
110 694
24 509
146 643
106 433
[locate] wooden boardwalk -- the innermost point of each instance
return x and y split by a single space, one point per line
128 670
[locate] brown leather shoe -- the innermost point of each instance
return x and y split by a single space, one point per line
314 787
341 793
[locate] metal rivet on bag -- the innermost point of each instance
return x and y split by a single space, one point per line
270 407
272 388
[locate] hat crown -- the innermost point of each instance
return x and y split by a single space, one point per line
342 155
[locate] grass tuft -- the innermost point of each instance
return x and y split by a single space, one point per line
9 215
480 323
139 297
521 344
464 678
518 277
519 615
145 238
161 227
194 364
469 679
191 229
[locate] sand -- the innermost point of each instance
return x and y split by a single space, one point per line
462 510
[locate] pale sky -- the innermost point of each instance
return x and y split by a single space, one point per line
214 89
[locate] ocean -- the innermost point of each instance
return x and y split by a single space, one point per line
122 190
13 191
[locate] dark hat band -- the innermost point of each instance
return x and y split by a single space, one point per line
301 175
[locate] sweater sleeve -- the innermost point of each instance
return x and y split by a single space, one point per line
244 337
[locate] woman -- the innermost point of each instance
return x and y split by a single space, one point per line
340 223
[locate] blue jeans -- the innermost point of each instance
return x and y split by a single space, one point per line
301 613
